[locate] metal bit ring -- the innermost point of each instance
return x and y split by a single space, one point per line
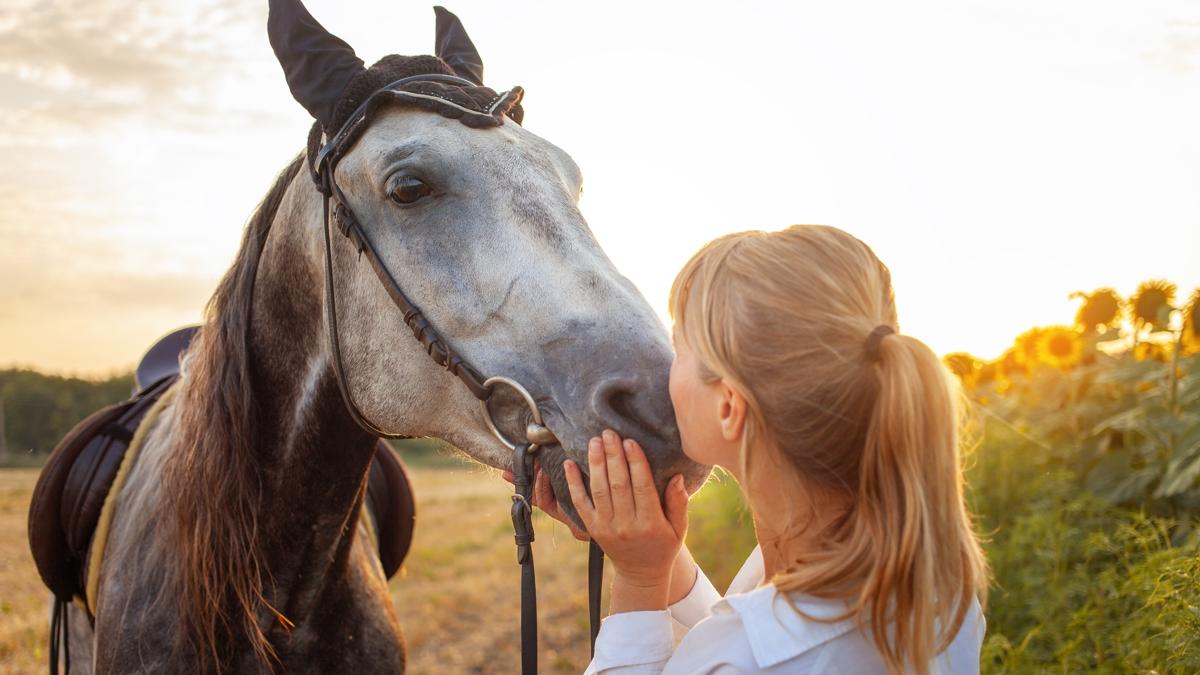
536 433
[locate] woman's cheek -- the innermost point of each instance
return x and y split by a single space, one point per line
696 443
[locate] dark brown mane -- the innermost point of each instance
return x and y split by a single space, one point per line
212 482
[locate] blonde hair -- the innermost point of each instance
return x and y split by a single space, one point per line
784 318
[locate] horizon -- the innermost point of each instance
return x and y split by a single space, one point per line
996 158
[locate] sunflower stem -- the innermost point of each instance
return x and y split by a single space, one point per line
1173 392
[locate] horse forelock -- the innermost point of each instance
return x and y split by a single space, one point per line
212 483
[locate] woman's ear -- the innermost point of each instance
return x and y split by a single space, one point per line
731 412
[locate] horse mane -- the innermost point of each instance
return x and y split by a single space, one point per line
212 483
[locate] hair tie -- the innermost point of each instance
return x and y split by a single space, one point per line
881 331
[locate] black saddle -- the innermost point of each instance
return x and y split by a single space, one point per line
79 474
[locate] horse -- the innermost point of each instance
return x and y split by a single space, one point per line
236 543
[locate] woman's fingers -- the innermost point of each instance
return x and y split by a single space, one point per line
583 505
598 471
645 494
543 495
620 489
676 505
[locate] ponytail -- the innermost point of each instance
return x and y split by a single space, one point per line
928 566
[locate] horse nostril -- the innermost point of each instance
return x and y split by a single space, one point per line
617 405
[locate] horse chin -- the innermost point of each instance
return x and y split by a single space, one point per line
550 459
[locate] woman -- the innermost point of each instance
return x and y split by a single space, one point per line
843 434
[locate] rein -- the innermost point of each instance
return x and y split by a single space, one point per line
537 434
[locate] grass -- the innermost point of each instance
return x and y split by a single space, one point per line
458 592
24 606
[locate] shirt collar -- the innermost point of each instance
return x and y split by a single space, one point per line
777 632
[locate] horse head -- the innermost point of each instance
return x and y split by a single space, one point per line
476 220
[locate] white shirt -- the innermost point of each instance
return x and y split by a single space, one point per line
753 629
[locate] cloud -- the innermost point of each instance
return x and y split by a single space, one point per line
68 68
126 46
1180 52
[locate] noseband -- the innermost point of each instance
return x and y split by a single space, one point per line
429 92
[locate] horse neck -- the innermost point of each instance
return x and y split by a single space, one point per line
314 456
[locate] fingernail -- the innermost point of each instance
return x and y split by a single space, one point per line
628 445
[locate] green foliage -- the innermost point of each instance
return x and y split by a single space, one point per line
1128 430
1079 585
720 532
40 409
1083 498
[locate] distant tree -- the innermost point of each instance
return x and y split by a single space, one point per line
39 409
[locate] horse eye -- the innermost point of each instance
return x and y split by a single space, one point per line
409 190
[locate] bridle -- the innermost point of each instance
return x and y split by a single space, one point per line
536 433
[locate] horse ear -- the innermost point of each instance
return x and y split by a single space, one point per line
454 46
317 65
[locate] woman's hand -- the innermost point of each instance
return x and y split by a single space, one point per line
625 517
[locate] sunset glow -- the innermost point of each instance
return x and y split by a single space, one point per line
997 156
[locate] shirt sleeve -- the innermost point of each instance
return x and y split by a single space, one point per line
695 606
632 643
640 643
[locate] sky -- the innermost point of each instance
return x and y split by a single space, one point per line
996 155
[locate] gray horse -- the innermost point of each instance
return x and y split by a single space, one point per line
235 544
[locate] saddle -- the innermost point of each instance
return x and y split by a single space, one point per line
75 483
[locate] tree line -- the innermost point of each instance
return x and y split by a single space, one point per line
37 409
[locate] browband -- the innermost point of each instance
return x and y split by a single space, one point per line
487 113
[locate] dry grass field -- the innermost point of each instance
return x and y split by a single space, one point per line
457 595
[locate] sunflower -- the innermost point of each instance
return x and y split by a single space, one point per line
1025 347
961 364
1146 305
1191 324
1150 351
988 372
1101 309
1060 347
1011 364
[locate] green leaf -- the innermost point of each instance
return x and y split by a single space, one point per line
1109 472
1131 372
1133 419
1183 468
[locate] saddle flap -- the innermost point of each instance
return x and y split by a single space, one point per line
390 501
55 561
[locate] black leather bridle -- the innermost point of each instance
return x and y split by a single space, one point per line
536 433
